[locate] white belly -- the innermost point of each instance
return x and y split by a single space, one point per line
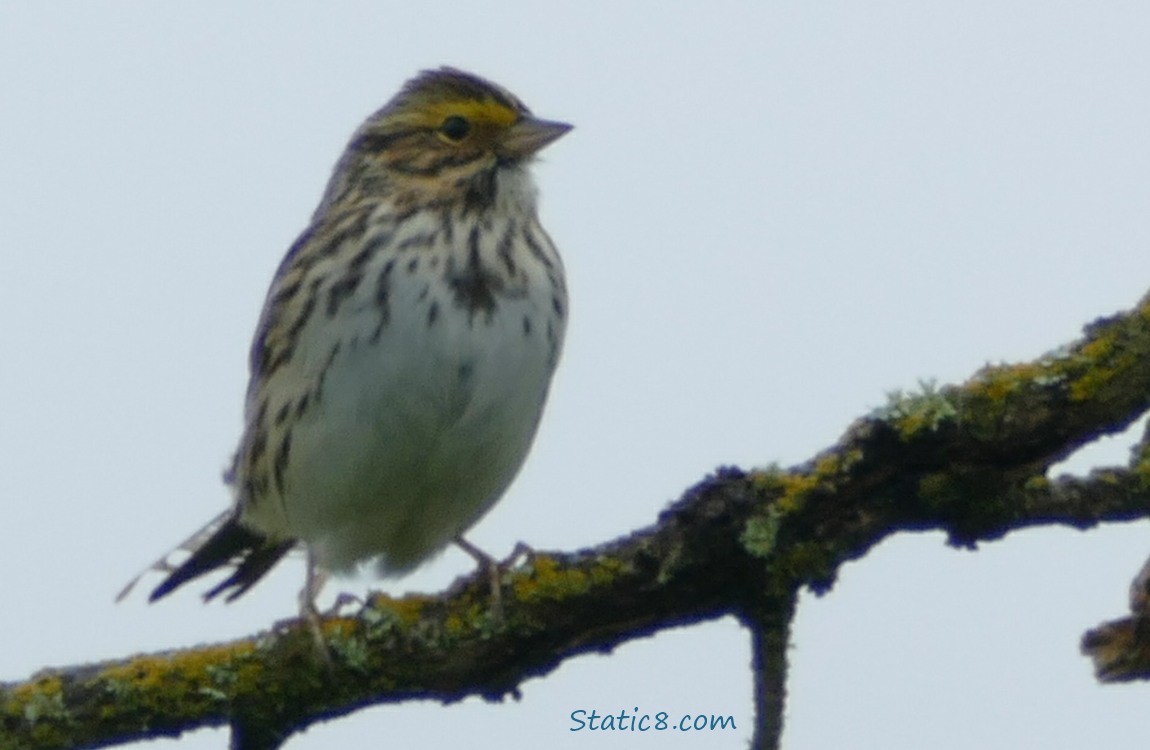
417 426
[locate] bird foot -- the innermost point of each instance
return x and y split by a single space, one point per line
495 570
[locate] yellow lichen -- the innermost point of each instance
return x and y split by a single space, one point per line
1110 357
790 489
768 481
409 609
935 486
796 489
1037 483
1103 364
997 384
547 581
806 561
209 674
1142 471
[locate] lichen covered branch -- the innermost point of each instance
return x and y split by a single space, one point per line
969 459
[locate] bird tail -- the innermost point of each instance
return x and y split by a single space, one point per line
223 543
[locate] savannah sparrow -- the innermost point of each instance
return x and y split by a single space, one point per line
405 348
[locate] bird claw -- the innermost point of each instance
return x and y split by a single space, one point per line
495 569
343 599
521 550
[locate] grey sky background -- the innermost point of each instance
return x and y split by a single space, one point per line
772 214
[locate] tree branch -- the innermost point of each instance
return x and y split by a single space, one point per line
771 633
1121 649
969 459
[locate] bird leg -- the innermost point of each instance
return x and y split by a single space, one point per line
313 584
494 572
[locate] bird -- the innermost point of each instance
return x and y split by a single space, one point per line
405 349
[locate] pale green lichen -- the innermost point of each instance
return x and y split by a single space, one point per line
46 704
788 492
41 706
913 413
761 532
353 652
224 681
381 620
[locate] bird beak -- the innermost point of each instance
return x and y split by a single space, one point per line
529 135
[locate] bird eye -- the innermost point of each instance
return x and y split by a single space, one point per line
455 128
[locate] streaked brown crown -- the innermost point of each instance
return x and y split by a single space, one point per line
441 132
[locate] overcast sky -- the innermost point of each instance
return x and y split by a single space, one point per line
772 214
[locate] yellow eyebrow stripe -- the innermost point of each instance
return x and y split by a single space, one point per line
479 111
